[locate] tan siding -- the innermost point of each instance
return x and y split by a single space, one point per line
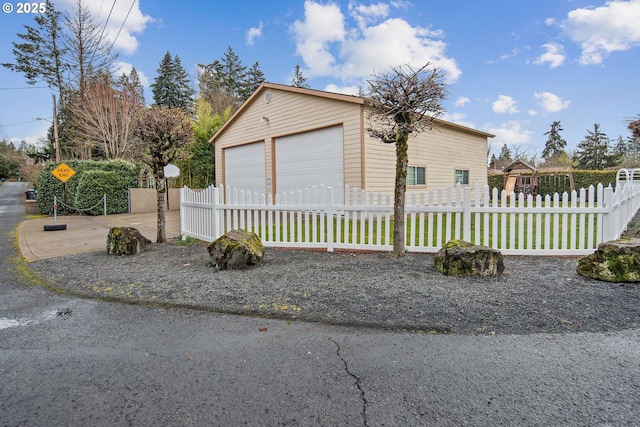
291 113
367 161
441 151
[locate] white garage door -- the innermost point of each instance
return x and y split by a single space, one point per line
244 167
310 158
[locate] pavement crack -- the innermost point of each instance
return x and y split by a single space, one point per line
357 382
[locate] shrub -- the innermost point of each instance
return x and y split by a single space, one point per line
559 182
122 176
92 187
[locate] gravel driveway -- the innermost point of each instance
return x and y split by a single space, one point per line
535 294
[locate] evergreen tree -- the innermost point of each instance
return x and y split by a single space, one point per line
633 147
506 157
594 151
131 83
301 81
254 78
555 143
172 86
40 56
227 83
621 148
233 73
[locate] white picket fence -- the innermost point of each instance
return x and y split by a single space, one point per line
568 224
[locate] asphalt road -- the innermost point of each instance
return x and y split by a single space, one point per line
68 361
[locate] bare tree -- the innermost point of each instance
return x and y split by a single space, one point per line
87 49
102 116
634 126
164 133
402 103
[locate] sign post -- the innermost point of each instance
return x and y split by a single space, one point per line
170 171
63 172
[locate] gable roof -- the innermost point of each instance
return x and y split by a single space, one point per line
519 164
326 95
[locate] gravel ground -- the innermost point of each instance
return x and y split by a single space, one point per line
534 295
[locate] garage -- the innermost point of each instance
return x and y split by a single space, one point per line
245 167
310 158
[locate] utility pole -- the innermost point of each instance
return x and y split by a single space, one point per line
55 127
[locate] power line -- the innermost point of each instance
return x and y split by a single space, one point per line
104 27
122 26
107 21
21 123
26 87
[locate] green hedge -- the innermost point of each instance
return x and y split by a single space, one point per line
559 183
496 181
86 187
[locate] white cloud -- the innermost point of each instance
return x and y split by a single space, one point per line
346 90
513 54
124 21
509 133
410 45
554 55
254 33
462 101
330 48
505 56
605 29
365 15
322 25
505 104
458 118
550 102
400 4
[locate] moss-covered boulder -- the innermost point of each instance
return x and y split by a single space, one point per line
462 258
613 261
236 249
126 241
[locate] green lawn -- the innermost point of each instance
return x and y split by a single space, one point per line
489 227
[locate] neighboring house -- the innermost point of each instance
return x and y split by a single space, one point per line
285 138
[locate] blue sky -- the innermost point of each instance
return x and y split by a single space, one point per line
513 67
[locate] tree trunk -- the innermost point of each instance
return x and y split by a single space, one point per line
399 195
160 191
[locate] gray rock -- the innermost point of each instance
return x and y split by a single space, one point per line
126 241
613 261
461 258
236 249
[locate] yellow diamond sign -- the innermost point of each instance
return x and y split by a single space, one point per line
63 172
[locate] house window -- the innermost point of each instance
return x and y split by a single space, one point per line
416 175
462 176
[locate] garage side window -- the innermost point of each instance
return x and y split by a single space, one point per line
416 175
462 176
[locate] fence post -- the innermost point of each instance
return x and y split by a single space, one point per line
104 200
329 213
466 214
608 216
215 209
183 218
